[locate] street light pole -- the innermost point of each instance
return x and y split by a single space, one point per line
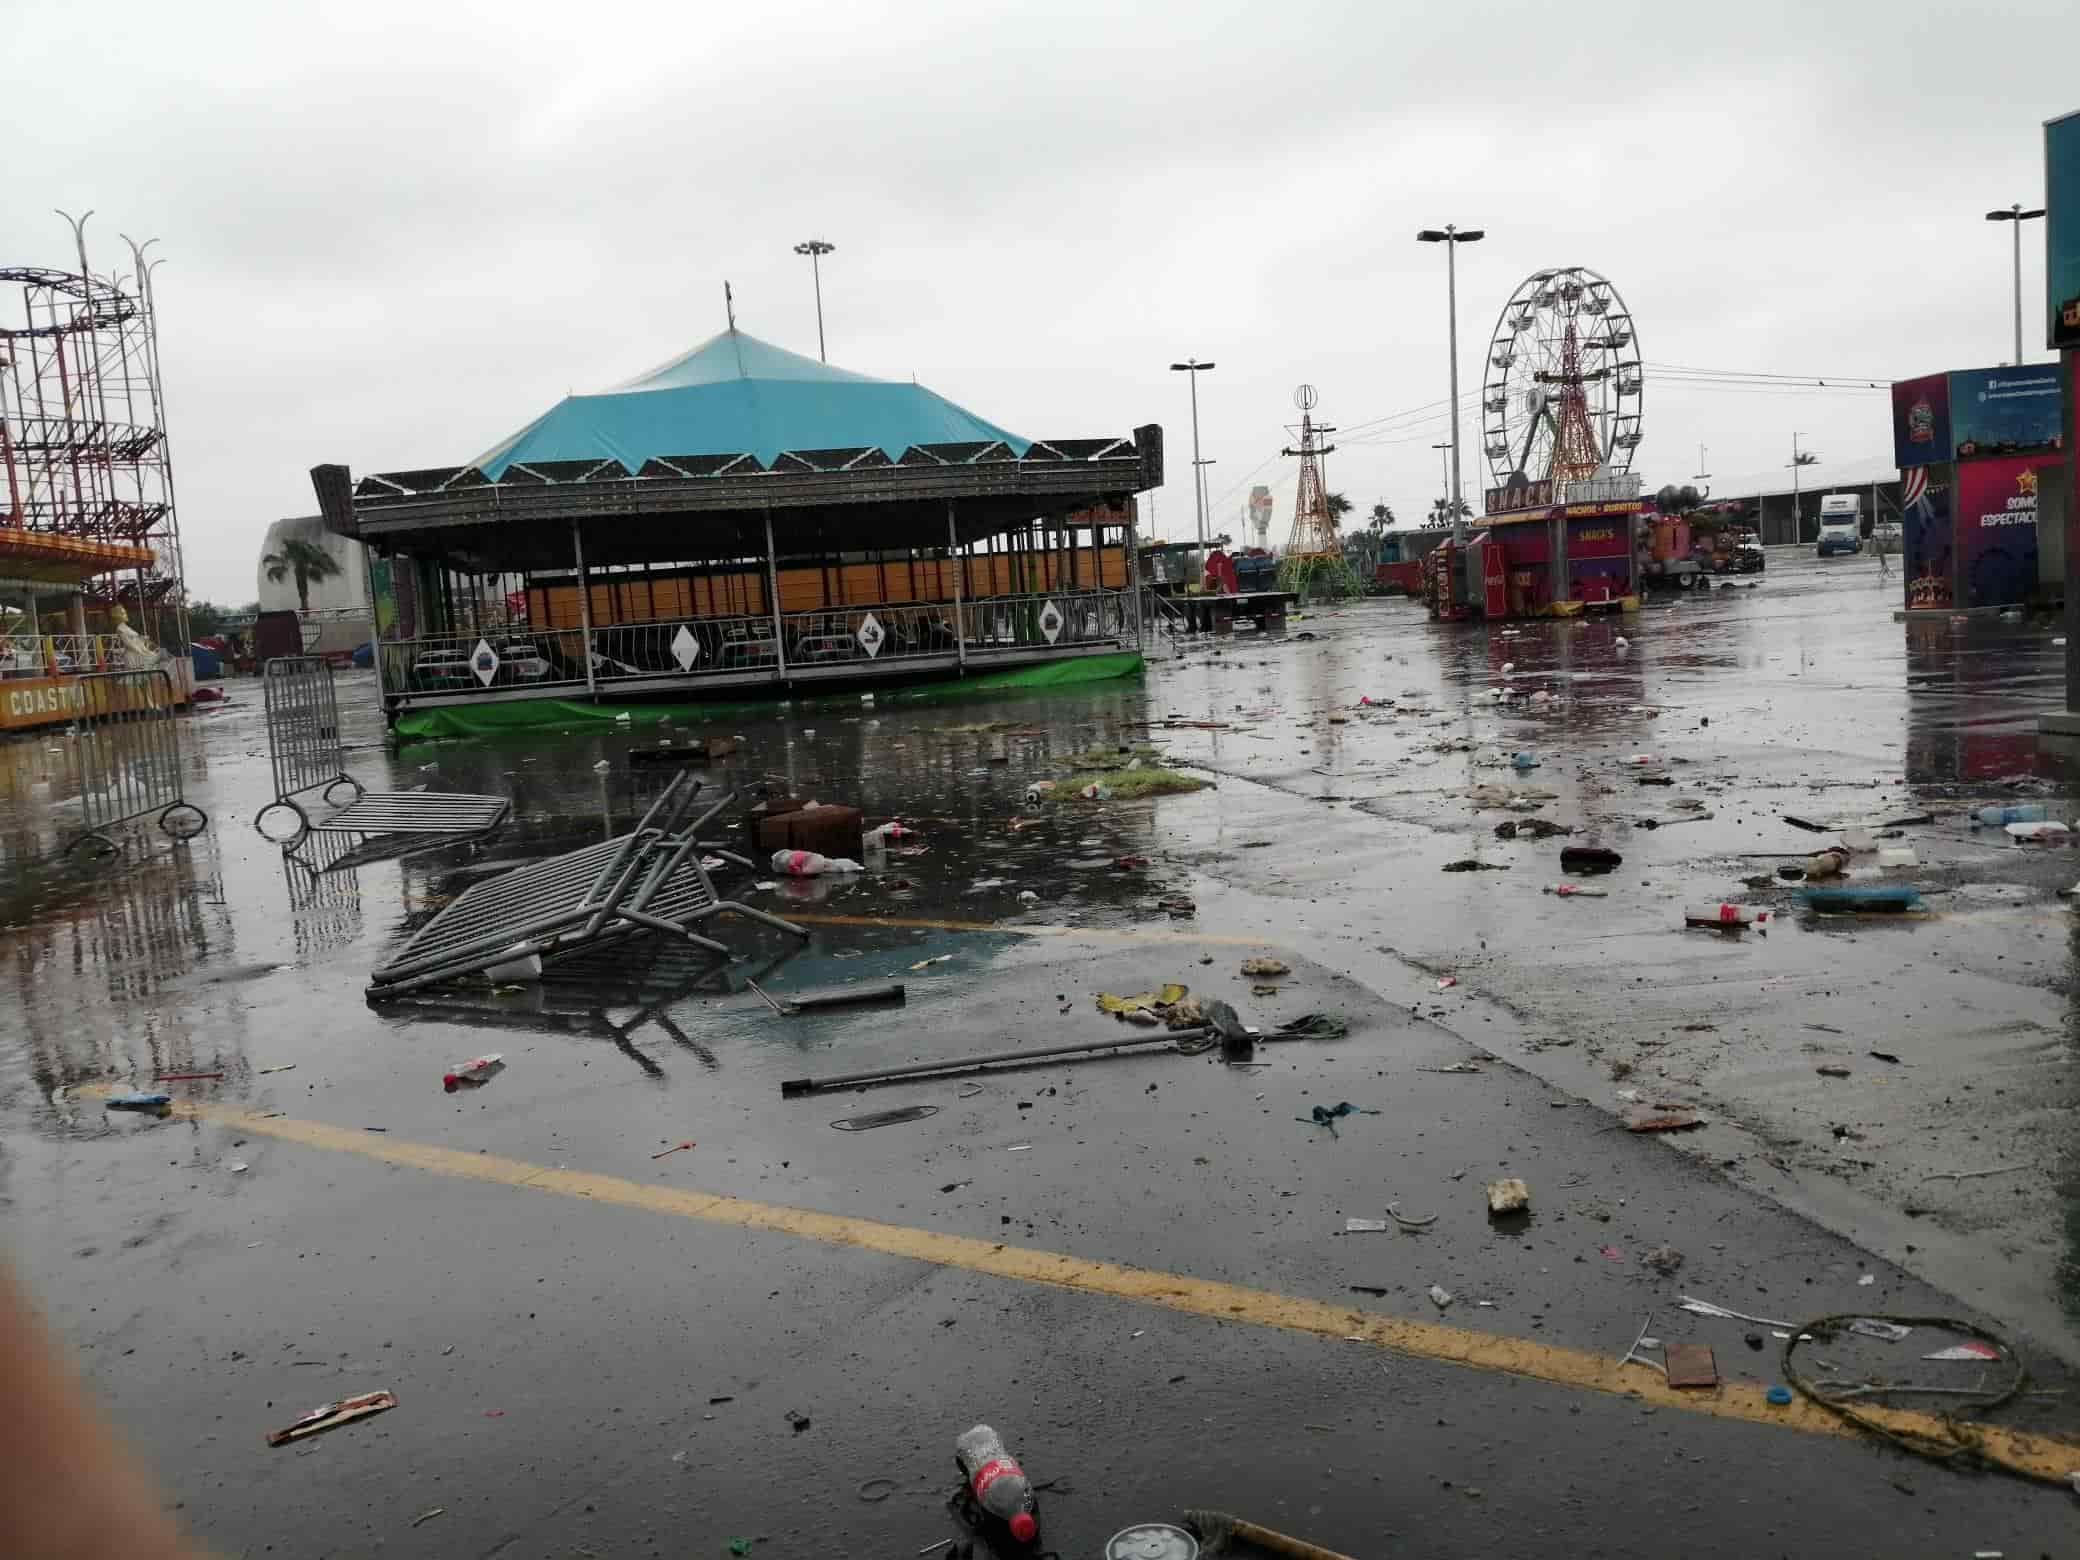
1444 469
1195 368
1797 460
2016 215
816 249
1452 238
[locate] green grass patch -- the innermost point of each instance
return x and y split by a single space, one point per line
1128 785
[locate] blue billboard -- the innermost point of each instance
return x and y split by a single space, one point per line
2062 230
2005 411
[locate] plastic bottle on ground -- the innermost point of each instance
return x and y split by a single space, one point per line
1994 815
1723 915
2041 829
478 1069
1828 863
997 1482
809 863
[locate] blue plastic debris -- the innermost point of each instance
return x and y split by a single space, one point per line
1781 1396
135 1099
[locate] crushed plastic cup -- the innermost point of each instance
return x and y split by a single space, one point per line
2042 829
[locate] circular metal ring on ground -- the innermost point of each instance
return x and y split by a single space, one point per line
303 824
360 790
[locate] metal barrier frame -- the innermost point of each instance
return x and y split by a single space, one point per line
128 747
305 752
650 879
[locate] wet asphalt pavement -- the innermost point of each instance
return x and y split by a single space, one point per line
582 1378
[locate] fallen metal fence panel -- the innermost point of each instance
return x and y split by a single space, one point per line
128 745
650 879
306 753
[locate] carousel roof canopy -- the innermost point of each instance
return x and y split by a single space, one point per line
737 395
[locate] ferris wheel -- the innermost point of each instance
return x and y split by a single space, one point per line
1561 395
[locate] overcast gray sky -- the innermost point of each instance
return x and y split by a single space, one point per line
396 232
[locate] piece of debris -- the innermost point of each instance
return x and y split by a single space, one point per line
1446 982
1832 1071
937 958
1588 860
1886 1056
1691 1365
1969 1350
1676 1123
1456 1067
188 1077
332 1415
799 1422
1329 1115
675 1148
1468 864
474 1073
885 1118
1610 1253
137 1099
1265 969
1365 1226
1165 996
1509 1195
1530 829
1872 1327
1378 1290
1440 1296
1665 1260
428 1516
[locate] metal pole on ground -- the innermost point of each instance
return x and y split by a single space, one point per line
584 609
960 627
773 592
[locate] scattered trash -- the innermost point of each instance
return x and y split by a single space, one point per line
1723 915
1665 1260
1576 891
428 1516
1469 864
1530 829
809 863
1027 897
601 767
1827 863
1779 1396
1633 1356
1412 1225
137 1099
1973 1175
1509 1195
996 1483
1365 1226
1588 860
332 1415
1690 1365
1871 1327
1679 1123
885 1118
1456 1067
1179 906
740 1546
183 1077
283 1067
1706 1308
1441 1296
1972 1350
1885 1056
1638 759
1329 1115
1610 1253
1867 1280
675 1148
1847 900
1446 982
1378 1290
1998 816
1265 969
475 1072
2046 830
1832 1071
1522 761
1165 996
1898 856
937 958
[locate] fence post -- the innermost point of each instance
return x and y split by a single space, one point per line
960 626
773 599
584 610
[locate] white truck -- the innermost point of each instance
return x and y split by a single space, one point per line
1841 523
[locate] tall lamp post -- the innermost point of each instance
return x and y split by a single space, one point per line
2018 216
1195 368
1444 469
816 249
1452 238
1799 458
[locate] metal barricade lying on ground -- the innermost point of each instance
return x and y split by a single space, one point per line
128 740
650 879
304 748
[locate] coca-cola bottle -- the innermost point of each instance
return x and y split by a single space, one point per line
997 1482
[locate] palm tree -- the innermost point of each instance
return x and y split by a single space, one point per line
1441 512
1337 505
1382 518
308 561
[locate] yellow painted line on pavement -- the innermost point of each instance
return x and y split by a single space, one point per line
2039 1456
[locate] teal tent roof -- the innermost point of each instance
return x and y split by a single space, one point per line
734 394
